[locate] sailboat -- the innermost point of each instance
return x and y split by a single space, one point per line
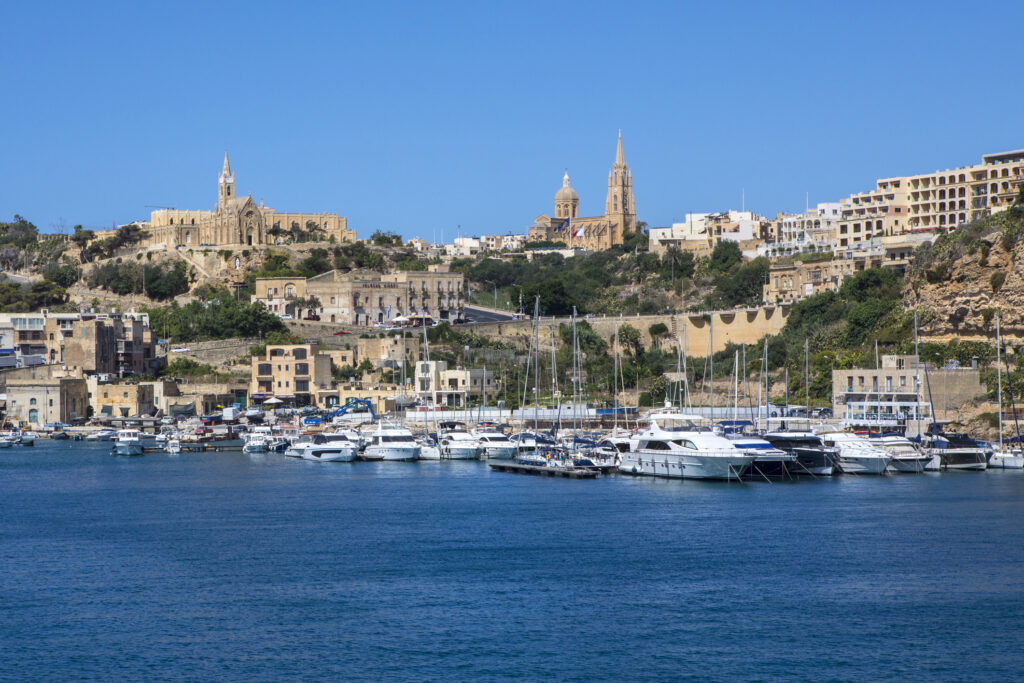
1003 458
429 450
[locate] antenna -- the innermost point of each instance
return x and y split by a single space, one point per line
743 199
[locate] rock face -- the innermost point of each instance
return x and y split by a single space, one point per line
961 283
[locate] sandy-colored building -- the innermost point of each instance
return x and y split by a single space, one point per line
456 387
365 297
593 233
813 231
121 399
897 393
293 373
44 395
236 221
701 232
795 280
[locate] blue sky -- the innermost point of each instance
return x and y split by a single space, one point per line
421 117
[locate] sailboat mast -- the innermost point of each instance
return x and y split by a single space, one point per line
575 376
615 381
711 352
735 387
807 379
999 383
536 365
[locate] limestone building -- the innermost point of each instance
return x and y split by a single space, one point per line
237 221
292 372
365 297
594 233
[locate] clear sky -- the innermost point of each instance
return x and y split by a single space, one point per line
420 117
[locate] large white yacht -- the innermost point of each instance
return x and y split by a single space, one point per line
129 442
856 454
391 442
495 443
455 443
674 445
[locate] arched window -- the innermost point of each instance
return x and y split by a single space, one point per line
32 402
615 203
33 416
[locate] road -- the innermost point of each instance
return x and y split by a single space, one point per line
479 315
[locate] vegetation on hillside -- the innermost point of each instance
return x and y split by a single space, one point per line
220 317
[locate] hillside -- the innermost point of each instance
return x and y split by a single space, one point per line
966 277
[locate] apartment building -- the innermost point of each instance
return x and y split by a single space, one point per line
107 399
795 280
293 373
701 232
453 388
42 395
813 231
868 215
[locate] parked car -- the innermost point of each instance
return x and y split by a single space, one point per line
312 317
286 316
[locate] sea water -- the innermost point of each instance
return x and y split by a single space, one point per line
259 568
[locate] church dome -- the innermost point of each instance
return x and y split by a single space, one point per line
566 193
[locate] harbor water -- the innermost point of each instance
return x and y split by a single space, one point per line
234 567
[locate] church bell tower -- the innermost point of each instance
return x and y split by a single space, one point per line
619 207
225 184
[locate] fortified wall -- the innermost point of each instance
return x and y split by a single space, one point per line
696 330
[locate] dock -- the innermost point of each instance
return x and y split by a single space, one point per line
537 470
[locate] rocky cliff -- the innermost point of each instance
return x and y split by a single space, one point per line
966 277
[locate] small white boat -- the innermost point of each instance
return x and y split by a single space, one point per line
129 442
907 457
429 450
172 445
102 435
6 442
1006 460
258 440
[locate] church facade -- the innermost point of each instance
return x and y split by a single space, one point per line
238 221
593 233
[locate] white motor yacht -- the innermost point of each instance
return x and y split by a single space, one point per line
674 445
455 443
173 445
7 442
856 454
495 443
329 450
391 442
102 435
957 451
129 442
907 457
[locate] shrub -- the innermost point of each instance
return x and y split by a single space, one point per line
997 280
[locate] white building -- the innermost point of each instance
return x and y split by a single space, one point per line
453 388
814 230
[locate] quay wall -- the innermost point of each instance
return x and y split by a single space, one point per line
741 326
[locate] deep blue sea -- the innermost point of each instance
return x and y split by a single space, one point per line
263 568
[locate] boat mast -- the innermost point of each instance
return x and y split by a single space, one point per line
615 381
686 379
807 381
735 387
711 352
999 383
536 367
554 384
574 374
426 364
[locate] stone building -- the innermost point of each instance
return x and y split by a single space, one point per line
293 373
594 233
365 297
453 388
236 221
43 395
120 400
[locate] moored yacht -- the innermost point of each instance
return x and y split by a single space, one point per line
957 451
1006 459
856 454
907 457
495 443
455 443
129 442
673 445
769 461
812 456
391 442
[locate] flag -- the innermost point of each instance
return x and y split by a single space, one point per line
389 311
579 233
564 225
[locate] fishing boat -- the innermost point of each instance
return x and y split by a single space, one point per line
172 445
258 440
673 445
129 442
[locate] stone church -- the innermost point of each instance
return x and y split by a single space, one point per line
237 221
593 233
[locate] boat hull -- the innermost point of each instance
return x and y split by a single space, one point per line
911 465
128 448
684 466
863 464
391 453
969 460
500 452
460 452
772 467
328 454
1006 461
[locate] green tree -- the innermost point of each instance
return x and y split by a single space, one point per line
725 256
657 331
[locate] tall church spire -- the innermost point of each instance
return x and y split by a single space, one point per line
620 159
225 184
227 165
619 209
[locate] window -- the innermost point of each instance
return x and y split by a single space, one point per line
302 368
31 401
